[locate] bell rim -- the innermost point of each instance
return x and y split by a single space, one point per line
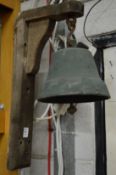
74 98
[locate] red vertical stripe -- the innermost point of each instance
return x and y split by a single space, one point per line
49 143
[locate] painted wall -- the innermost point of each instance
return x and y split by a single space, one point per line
110 76
6 61
9 3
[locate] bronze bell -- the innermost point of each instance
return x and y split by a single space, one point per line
73 78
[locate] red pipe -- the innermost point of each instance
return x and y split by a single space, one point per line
49 127
49 143
49 131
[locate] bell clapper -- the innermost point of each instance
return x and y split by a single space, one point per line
72 109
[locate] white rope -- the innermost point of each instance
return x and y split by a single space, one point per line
56 112
57 123
40 119
52 40
43 116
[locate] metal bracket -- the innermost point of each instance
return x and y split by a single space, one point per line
32 30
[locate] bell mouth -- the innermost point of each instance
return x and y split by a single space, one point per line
73 99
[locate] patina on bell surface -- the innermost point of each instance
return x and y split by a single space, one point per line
73 78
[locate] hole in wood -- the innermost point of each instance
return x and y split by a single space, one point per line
29 141
28 90
21 142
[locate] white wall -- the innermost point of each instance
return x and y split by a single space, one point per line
110 77
85 140
100 20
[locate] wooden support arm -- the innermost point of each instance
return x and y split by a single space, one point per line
33 28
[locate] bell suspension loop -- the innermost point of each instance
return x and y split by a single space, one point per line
71 39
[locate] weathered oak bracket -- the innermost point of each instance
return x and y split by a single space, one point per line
32 30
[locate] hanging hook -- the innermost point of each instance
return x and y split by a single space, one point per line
71 39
